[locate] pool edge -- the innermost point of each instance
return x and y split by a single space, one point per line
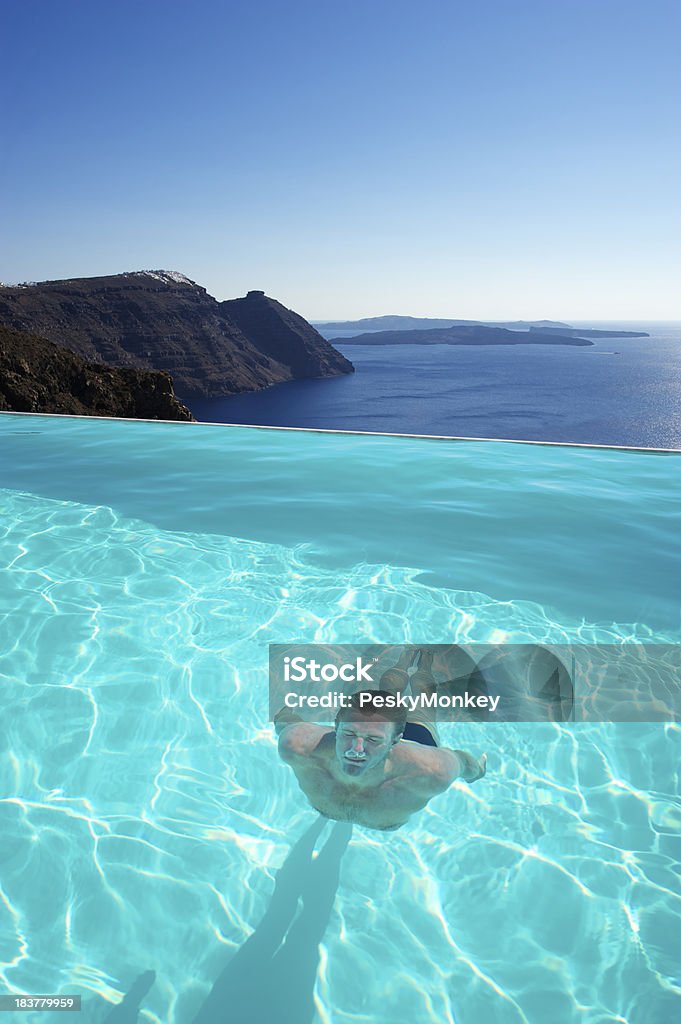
352 433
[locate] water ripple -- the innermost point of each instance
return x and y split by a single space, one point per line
145 814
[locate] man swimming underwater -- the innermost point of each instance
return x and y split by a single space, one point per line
375 768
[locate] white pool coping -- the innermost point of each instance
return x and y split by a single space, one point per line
358 433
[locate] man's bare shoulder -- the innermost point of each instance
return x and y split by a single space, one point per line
433 768
436 768
301 740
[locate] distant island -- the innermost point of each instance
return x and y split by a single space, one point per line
372 324
463 336
577 332
544 331
162 320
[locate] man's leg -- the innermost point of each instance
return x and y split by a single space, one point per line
423 684
396 679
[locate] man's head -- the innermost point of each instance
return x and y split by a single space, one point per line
366 731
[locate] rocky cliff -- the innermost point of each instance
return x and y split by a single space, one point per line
37 376
284 336
161 320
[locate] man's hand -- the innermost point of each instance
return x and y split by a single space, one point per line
472 767
482 769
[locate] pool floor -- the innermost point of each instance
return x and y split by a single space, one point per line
147 822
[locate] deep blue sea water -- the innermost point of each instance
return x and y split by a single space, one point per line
621 391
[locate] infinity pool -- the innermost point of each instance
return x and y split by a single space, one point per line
146 822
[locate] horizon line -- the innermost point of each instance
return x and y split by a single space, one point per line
366 316
502 320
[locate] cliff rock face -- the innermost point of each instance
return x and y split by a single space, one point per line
284 336
37 376
163 321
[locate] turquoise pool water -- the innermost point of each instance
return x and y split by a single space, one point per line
144 815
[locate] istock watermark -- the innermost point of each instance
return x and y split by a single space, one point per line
484 683
302 670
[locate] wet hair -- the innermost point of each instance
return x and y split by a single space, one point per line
354 710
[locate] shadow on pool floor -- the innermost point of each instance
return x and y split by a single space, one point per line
272 976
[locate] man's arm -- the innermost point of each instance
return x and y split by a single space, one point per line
284 718
297 739
437 769
472 768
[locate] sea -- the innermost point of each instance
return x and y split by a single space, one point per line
620 391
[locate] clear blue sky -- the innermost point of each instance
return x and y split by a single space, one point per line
491 159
